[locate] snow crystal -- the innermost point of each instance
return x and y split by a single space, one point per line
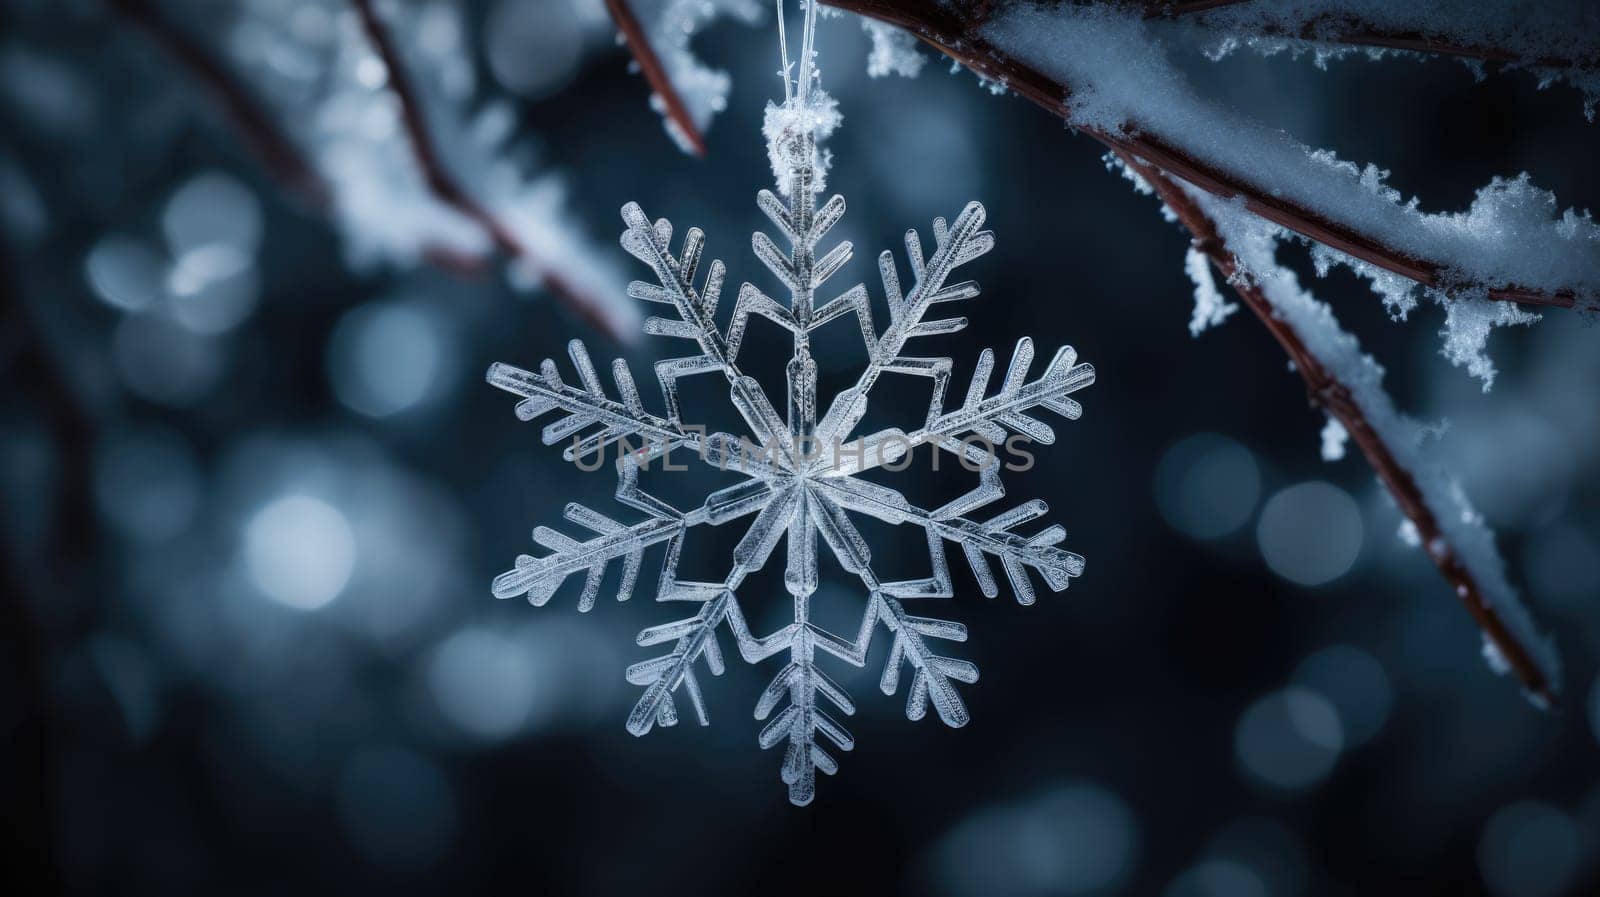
669 26
800 480
1254 242
894 52
1334 437
1210 309
1494 657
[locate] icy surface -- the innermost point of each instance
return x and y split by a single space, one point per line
799 463
1513 235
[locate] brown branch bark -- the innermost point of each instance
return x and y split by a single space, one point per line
956 34
1334 397
448 191
633 34
1165 9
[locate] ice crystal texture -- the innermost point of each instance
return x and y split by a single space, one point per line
807 487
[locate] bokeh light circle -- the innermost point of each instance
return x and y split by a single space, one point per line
1310 533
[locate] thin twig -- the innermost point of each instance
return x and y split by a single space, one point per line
633 34
448 191
285 161
1165 9
277 152
958 37
1334 397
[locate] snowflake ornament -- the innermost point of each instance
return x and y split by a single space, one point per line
801 471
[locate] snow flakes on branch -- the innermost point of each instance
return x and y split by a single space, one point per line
1555 40
1210 309
894 52
1112 70
378 109
686 92
1348 384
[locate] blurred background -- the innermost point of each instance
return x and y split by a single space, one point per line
254 491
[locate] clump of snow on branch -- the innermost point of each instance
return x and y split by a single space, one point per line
1254 243
894 51
1513 235
670 26
1210 308
1334 437
1539 32
315 63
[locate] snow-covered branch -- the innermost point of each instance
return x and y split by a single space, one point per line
1556 40
686 91
592 302
1104 70
1347 384
674 107
357 184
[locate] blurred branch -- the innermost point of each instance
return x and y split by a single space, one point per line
654 72
958 34
290 166
276 151
446 189
1327 392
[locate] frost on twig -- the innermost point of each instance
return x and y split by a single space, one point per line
333 107
1555 40
894 51
686 92
1513 243
1348 384
1105 69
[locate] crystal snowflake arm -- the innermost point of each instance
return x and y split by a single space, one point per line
979 540
800 270
675 276
695 636
808 690
932 674
587 407
540 577
989 419
956 244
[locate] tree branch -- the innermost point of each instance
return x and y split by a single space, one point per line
448 191
1334 397
277 152
677 112
285 161
1331 28
958 35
